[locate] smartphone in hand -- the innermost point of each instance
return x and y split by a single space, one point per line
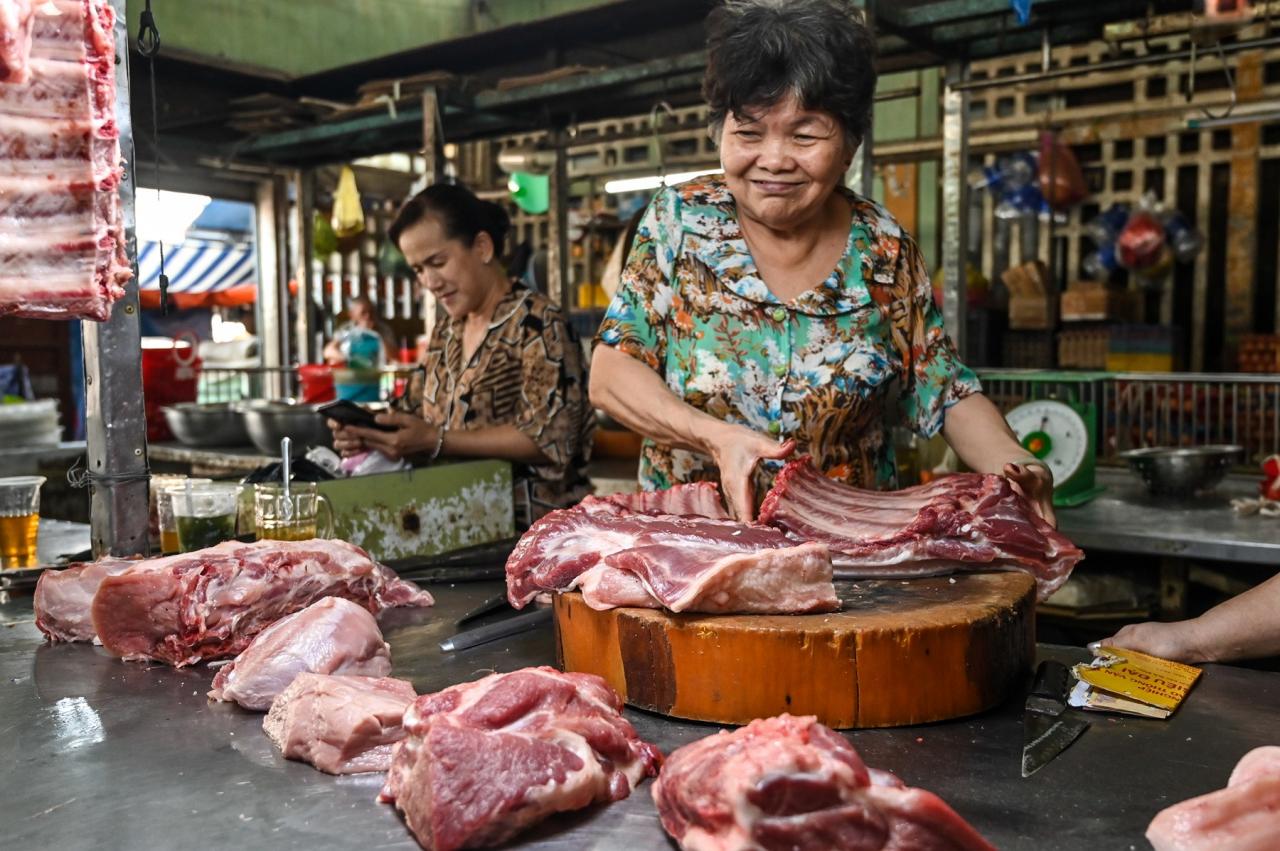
351 414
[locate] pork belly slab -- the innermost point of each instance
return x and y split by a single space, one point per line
331 636
340 723
681 563
210 604
484 760
1245 816
62 243
791 783
966 521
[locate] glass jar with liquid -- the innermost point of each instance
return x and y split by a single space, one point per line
291 517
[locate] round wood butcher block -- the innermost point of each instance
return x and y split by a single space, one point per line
899 652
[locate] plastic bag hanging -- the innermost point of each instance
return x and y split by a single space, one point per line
348 215
1061 181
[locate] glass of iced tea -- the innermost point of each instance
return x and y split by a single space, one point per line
292 518
19 520
167 523
205 514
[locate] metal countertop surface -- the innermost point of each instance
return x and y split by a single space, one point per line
98 753
1125 518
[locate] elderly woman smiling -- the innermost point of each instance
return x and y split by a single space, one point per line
771 310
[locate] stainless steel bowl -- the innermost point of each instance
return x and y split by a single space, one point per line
208 424
268 422
1182 471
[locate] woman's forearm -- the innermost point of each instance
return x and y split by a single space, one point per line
504 441
636 396
1245 627
978 433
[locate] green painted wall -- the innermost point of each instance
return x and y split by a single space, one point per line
298 37
914 118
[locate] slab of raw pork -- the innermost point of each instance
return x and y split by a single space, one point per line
697 499
791 783
340 723
63 597
61 232
964 521
685 564
484 760
1245 816
210 604
16 20
331 636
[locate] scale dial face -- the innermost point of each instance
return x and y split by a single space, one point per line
1053 432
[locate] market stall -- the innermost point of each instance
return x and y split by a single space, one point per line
907 622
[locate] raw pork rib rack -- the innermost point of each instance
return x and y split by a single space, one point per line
966 521
61 233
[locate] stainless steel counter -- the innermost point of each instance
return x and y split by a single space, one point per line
176 457
101 754
1125 518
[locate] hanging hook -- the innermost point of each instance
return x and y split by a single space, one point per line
1231 84
655 124
148 34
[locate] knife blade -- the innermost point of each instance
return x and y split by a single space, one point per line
1046 732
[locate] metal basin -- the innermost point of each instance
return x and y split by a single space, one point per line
210 424
269 422
1182 471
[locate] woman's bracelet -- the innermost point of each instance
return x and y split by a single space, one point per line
435 453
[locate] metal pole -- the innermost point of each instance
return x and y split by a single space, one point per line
304 270
560 287
115 425
273 282
955 212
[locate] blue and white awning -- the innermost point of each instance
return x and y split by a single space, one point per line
197 266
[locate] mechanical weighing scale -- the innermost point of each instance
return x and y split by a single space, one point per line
1062 435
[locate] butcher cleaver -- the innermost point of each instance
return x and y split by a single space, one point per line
1046 732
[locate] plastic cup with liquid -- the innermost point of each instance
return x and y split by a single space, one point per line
205 514
19 520
166 522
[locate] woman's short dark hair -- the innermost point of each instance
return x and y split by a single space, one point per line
462 215
759 51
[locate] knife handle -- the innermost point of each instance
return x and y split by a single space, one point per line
1050 682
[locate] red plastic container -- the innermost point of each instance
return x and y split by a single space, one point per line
317 383
170 374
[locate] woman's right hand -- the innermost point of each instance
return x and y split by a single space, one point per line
737 450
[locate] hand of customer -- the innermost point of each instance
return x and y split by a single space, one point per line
1036 484
412 435
1173 641
345 442
736 452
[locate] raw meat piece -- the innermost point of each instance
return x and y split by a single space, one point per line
966 521
210 604
484 760
1245 816
15 40
698 499
339 723
61 229
63 597
683 563
331 636
681 578
791 783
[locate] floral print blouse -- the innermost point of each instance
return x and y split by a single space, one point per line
529 372
835 368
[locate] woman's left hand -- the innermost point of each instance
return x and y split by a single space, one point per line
412 435
1036 484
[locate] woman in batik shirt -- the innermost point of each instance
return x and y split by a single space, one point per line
771 311
504 375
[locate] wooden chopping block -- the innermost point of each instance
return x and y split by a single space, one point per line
900 652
